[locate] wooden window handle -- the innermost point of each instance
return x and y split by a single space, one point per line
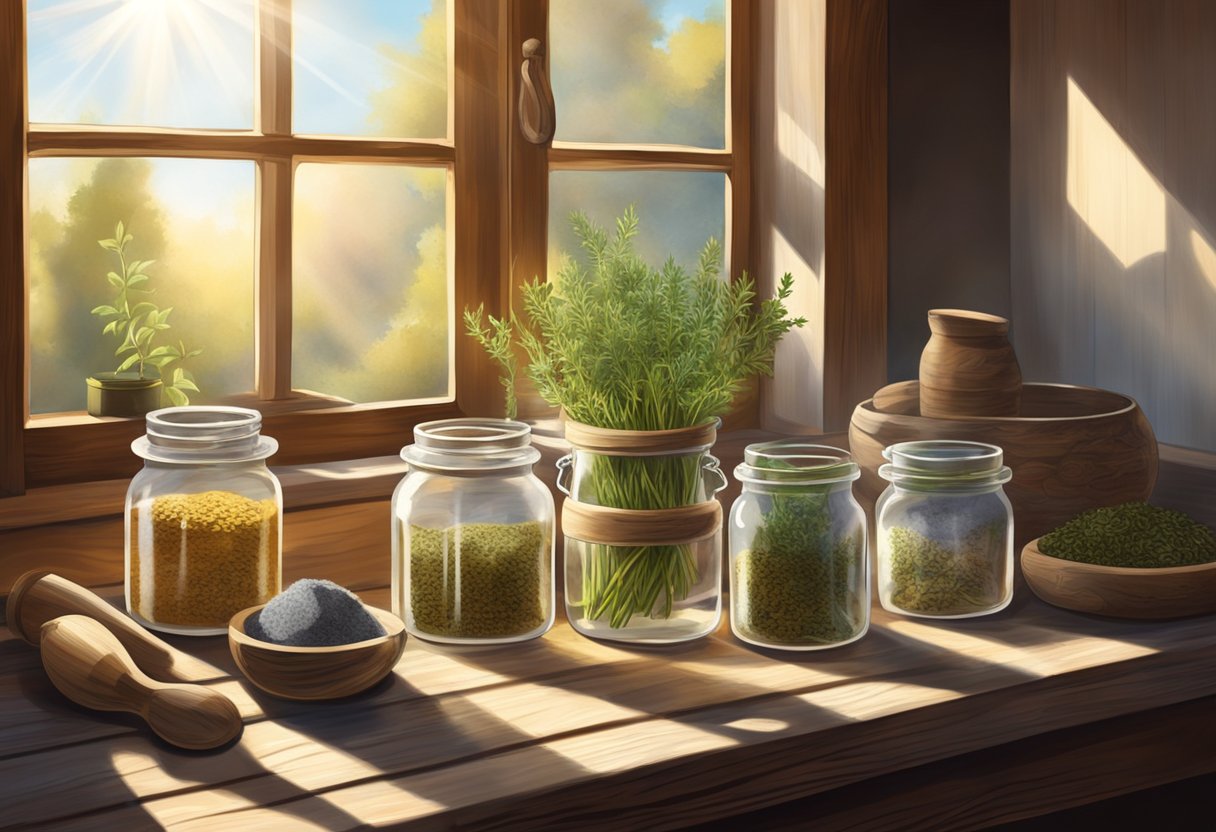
536 109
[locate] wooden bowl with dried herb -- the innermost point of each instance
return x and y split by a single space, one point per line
1128 561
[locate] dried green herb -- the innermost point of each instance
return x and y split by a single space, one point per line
479 580
930 578
1132 534
796 585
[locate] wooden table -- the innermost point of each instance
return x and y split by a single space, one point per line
565 731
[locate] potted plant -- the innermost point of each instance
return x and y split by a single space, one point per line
642 361
136 387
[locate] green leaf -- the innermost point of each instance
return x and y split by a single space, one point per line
123 347
118 231
186 374
108 245
131 359
141 307
186 384
177 396
115 280
103 310
160 362
144 334
164 314
136 279
128 238
162 350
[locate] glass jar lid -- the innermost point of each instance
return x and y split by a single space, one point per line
204 434
944 461
471 446
795 462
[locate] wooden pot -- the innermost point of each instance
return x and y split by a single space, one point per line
1120 591
968 368
1071 450
122 394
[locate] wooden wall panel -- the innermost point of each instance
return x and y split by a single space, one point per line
1113 210
855 221
788 198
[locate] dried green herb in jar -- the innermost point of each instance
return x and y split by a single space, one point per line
478 580
796 584
1133 534
931 578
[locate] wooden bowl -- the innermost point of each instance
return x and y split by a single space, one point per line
313 673
1071 449
1123 592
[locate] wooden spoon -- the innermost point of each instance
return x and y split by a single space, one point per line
40 596
89 666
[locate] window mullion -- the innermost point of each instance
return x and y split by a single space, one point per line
274 203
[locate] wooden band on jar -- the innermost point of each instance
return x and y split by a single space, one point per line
641 527
609 440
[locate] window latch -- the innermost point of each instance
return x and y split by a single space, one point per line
536 109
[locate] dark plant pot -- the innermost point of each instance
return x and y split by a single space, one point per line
122 394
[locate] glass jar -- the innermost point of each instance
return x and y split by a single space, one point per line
643 589
204 520
945 530
798 565
473 535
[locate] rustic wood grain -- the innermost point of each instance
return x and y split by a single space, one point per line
1113 248
788 200
478 227
101 449
855 287
968 368
1073 449
596 156
91 667
317 673
47 140
1165 592
13 318
1025 779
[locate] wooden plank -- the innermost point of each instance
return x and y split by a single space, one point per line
788 199
596 156
855 287
1188 394
681 768
76 140
14 361
480 120
1025 779
100 450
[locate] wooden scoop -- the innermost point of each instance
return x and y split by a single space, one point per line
89 666
40 596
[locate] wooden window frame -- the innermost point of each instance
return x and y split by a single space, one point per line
495 244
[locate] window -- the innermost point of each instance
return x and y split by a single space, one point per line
324 186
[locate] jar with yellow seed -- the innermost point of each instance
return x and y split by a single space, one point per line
203 520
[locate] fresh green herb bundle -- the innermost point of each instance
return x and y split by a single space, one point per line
1132 534
798 584
619 344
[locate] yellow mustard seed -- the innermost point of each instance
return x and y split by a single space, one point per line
204 556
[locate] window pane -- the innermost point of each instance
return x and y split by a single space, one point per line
371 299
193 218
677 211
641 71
371 67
164 63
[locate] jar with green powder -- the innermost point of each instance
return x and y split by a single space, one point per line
798 566
945 530
472 535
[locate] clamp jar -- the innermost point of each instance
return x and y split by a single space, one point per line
204 520
473 535
945 530
799 577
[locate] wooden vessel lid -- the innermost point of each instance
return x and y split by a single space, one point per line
963 323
